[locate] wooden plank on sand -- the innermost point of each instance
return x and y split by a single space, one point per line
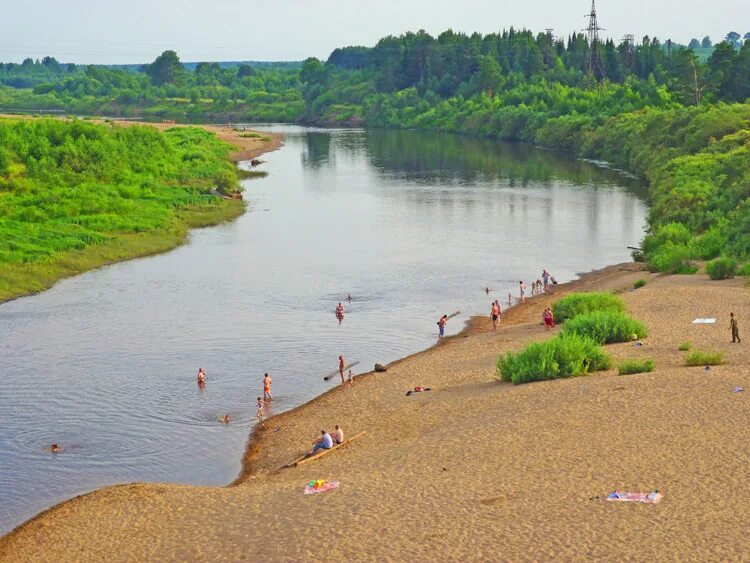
305 458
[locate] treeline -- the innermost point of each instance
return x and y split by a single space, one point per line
72 186
162 89
653 109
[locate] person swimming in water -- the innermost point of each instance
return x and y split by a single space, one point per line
201 376
226 419
340 312
54 448
349 298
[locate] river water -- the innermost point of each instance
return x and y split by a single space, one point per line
413 225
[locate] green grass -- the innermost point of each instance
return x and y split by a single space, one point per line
635 366
606 327
76 195
685 347
639 284
251 174
560 357
698 358
744 270
576 304
251 135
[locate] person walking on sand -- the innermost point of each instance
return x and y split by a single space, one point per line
549 319
441 325
494 313
735 328
267 388
342 365
522 291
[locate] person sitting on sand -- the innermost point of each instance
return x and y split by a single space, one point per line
201 375
325 442
338 435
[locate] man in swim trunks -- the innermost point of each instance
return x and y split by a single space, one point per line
267 388
342 365
338 435
494 313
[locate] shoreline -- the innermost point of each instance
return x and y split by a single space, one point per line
133 246
531 457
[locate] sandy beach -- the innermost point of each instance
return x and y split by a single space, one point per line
474 470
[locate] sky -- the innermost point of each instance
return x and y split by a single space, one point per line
136 31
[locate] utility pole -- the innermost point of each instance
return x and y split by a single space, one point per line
594 62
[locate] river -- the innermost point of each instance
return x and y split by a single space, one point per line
413 225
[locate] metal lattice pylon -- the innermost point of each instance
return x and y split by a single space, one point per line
594 61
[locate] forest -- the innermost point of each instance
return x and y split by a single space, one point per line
675 115
76 195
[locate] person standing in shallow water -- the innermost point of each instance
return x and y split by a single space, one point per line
522 291
441 325
734 328
267 388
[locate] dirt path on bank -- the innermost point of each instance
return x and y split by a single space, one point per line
474 470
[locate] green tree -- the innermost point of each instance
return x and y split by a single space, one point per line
694 44
166 69
707 43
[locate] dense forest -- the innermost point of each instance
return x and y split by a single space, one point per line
676 115
114 192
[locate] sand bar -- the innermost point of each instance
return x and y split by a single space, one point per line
474 470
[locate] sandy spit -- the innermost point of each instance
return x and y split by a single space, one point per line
474 470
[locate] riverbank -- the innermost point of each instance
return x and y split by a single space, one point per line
21 278
474 469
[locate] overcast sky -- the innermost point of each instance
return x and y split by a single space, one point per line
134 31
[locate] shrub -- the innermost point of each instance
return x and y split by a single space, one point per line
581 303
561 357
606 327
744 270
673 259
704 359
639 284
684 347
636 366
721 269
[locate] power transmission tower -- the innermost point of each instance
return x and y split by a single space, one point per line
594 63
629 41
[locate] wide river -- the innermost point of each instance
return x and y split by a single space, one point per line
413 225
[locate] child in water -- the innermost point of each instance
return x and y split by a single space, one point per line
261 404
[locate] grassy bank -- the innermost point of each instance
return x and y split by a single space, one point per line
75 196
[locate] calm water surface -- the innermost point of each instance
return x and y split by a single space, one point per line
413 225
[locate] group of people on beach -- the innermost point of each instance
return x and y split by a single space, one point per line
327 441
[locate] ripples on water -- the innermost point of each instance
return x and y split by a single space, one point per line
412 225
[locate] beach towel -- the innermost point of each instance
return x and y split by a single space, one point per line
704 321
327 486
648 498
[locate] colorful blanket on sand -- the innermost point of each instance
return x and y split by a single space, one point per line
329 486
648 498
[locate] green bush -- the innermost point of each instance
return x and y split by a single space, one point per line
721 269
606 327
704 359
561 357
636 366
744 270
639 284
684 347
576 304
673 259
